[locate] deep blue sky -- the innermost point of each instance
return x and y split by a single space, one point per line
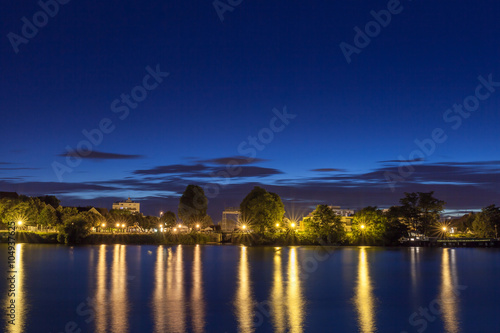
354 121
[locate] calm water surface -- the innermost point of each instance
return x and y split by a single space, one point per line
124 288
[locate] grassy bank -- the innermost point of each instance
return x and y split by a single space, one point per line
132 239
271 239
31 237
149 239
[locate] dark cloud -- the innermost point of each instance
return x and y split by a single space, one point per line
476 163
403 161
41 188
172 169
463 186
235 160
328 170
203 171
97 155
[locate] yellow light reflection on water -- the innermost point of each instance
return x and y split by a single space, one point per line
169 302
449 301
17 295
119 299
197 300
174 295
277 296
295 301
244 300
364 300
101 296
159 292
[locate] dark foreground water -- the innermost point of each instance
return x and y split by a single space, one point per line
123 288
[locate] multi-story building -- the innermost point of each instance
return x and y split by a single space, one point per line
134 207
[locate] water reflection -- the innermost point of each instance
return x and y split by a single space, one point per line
363 299
111 305
244 299
287 305
277 299
448 295
17 295
101 291
295 300
175 311
197 301
159 292
170 303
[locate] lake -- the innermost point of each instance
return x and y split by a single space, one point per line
204 288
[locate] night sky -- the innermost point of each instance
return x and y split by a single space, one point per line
173 93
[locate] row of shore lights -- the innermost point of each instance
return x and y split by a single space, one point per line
277 226
178 226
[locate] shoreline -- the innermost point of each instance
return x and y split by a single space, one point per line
30 237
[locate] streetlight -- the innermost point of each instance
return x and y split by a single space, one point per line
444 229
19 222
123 225
244 227
277 225
293 225
197 226
178 226
362 226
118 225
175 229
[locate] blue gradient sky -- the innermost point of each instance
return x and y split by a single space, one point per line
225 78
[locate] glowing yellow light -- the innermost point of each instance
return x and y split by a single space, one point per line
118 225
19 222
362 226
244 227
159 225
277 225
161 213
293 225
175 229
103 225
197 226
179 226
444 228
123 225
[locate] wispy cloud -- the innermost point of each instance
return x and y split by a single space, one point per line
101 155
235 160
328 170
415 160
204 171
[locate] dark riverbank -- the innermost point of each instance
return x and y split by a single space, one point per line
103 238
247 239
